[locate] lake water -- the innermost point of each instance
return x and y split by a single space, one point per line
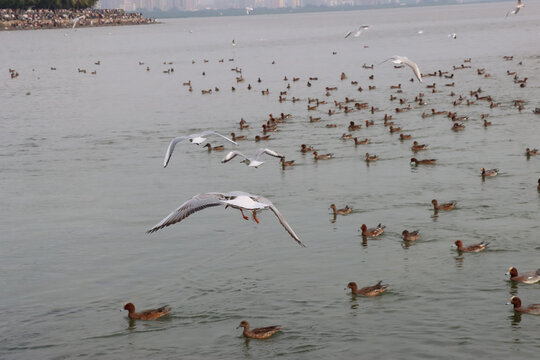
82 180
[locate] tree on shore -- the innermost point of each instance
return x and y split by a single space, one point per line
47 4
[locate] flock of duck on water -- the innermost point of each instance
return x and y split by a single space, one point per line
252 203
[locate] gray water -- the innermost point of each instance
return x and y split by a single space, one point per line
82 180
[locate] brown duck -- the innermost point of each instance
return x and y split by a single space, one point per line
471 248
374 290
259 333
345 211
423 161
530 309
215 148
322 156
410 236
446 206
151 314
376 231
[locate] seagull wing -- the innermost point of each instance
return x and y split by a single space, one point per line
414 68
348 34
204 133
517 9
231 155
262 151
393 58
196 203
170 149
280 218
285 224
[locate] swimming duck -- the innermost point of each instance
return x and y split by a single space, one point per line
243 124
353 126
471 248
346 136
370 123
446 206
361 142
215 148
487 123
374 290
529 309
529 277
285 164
237 138
371 157
151 314
376 231
345 211
259 138
490 172
259 333
405 137
531 152
410 236
538 187
423 161
322 157
393 129
304 148
458 126
416 146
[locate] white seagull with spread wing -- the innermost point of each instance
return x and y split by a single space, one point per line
254 160
396 59
236 199
194 138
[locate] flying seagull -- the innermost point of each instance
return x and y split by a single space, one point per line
396 59
236 199
252 161
358 31
519 5
194 138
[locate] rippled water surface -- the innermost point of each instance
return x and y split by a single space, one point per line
82 180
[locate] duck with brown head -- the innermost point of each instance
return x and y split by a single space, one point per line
410 236
372 232
151 314
259 333
471 248
345 211
528 277
529 309
446 206
374 290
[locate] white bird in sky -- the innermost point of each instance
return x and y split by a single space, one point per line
194 138
236 199
519 5
358 31
396 59
452 35
254 160
76 20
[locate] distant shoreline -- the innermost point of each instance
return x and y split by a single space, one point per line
41 19
173 14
